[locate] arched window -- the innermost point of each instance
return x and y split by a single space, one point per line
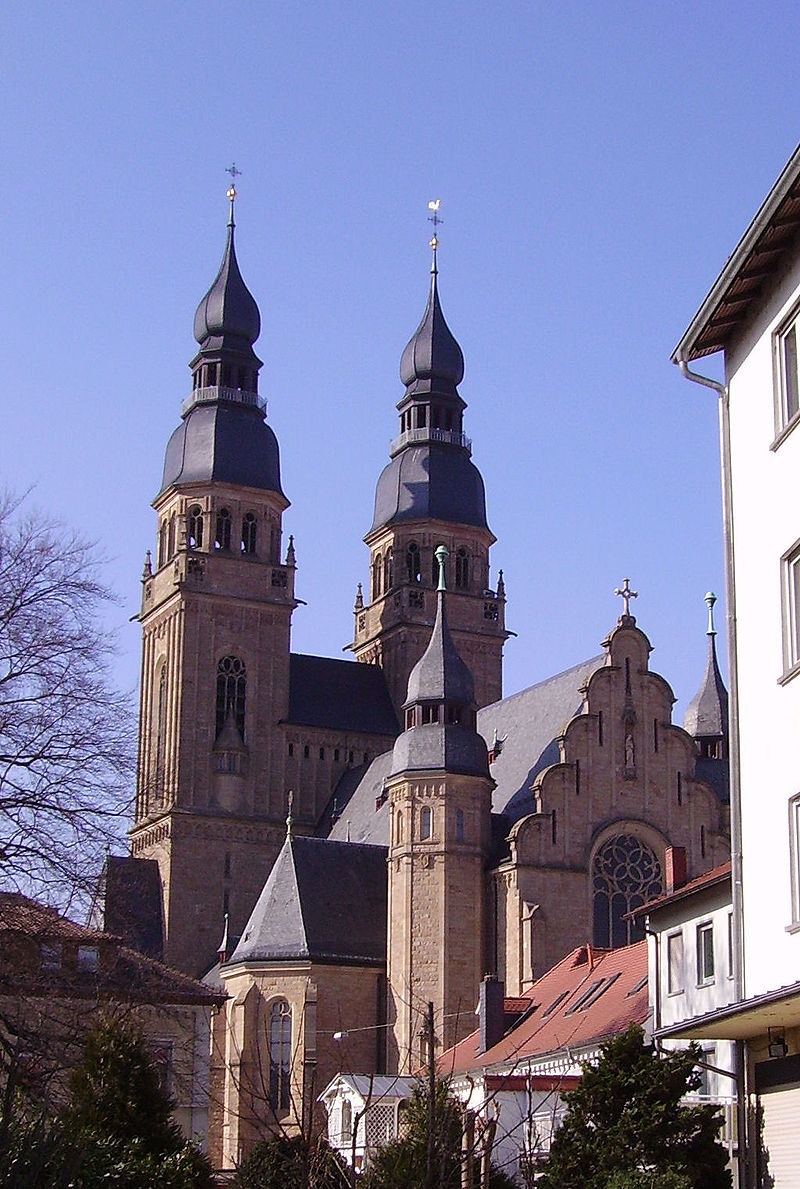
223 537
231 689
161 731
162 544
388 570
377 574
625 875
194 526
280 1055
462 569
171 538
413 564
249 533
426 822
347 1122
399 825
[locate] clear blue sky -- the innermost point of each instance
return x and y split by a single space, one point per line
596 164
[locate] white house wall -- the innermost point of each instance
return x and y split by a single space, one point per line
766 523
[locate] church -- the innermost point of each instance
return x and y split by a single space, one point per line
341 842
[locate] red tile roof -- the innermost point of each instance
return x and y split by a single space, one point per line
129 976
589 996
714 876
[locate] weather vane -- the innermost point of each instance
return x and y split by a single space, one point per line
434 218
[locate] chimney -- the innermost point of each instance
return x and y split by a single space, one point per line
675 868
490 1012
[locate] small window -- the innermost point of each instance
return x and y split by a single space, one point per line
430 714
194 526
322 753
291 749
377 576
51 955
280 1055
249 527
171 538
336 755
675 966
705 953
426 822
388 570
462 569
413 563
347 1122
788 388
410 714
459 825
306 752
88 958
227 867
223 535
790 584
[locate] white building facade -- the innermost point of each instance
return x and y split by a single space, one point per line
751 315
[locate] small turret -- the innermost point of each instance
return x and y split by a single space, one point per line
706 718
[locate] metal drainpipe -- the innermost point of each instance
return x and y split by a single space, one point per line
733 746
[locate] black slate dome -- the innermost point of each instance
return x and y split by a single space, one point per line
430 481
223 442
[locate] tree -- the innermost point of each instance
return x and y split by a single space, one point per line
403 1163
627 1127
285 1162
66 737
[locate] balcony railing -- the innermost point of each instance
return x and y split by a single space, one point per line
452 437
207 396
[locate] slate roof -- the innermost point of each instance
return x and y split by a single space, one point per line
434 481
323 901
616 983
432 360
228 314
226 442
340 695
527 723
707 713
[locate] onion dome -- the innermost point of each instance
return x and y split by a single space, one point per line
228 315
432 360
440 732
706 718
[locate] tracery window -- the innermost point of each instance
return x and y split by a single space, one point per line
377 574
388 570
231 690
162 543
171 540
625 875
249 533
413 563
280 1055
161 731
194 526
462 569
223 537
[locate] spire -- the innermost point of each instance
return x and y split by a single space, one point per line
228 316
440 674
440 732
432 360
707 715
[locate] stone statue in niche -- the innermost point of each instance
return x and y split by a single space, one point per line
630 756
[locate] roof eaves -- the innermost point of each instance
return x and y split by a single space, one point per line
690 346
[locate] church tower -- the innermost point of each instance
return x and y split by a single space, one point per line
216 613
440 796
431 493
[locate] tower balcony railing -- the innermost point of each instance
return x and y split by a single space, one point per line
427 433
208 396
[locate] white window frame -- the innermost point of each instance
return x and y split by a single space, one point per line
794 858
704 977
790 608
786 342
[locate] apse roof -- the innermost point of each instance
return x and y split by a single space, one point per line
323 901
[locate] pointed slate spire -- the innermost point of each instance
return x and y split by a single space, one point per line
440 732
440 674
432 360
706 717
228 315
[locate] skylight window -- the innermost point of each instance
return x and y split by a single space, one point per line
559 999
578 1004
642 983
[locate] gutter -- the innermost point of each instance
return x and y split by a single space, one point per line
733 731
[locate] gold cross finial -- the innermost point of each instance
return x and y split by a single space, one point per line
626 594
235 173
